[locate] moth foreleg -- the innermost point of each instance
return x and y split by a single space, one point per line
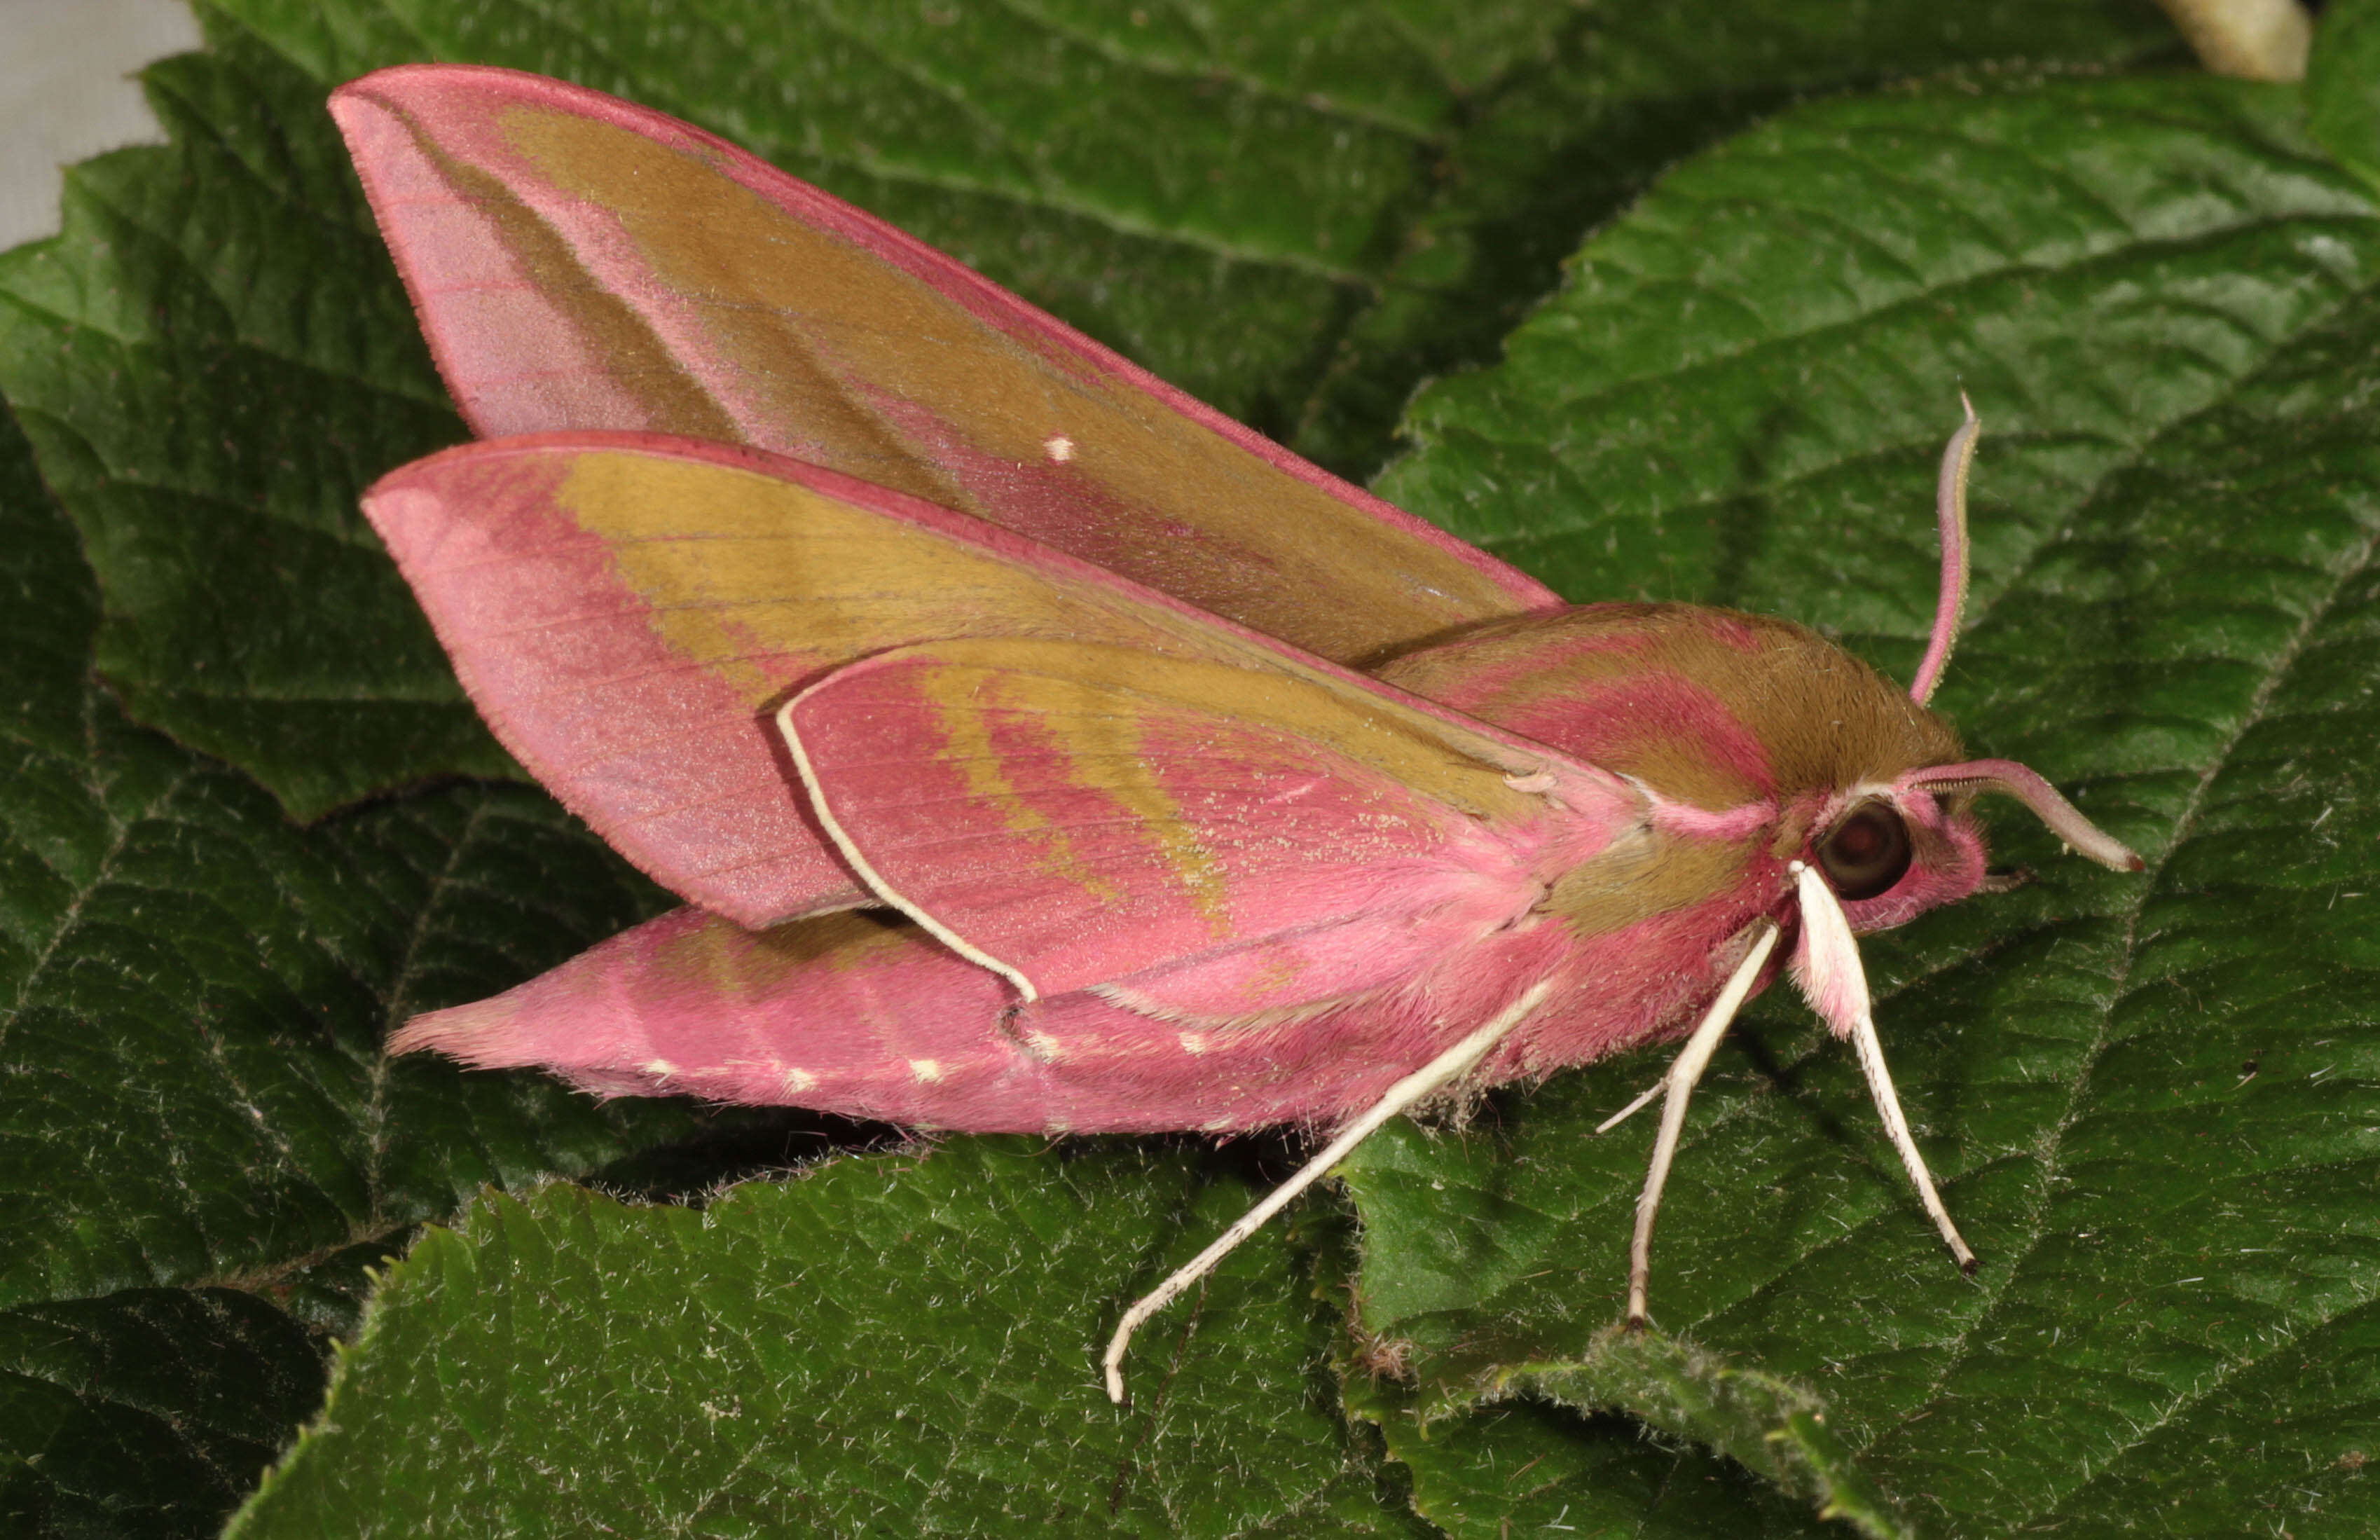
1896 1127
1440 1073
1837 985
1678 1085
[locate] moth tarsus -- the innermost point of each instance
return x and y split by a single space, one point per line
2009 881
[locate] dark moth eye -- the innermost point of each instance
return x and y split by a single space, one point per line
1868 852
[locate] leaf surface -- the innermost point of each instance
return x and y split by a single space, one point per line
212 361
902 1344
2343 87
2156 290
148 1412
1564 140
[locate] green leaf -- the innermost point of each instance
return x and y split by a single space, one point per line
2151 1099
192 995
900 1345
1566 141
1523 1455
2343 85
212 360
201 972
148 1412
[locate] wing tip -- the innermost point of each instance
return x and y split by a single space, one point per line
486 1035
447 97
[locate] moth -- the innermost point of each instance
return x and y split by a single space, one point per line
1038 749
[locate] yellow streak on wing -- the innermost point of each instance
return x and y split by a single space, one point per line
1646 874
733 562
735 565
635 357
771 292
962 700
1411 749
724 958
1104 740
1278 975
1093 700
808 319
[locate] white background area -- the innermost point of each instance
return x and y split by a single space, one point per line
67 92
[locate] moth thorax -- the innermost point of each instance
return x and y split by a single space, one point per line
1708 707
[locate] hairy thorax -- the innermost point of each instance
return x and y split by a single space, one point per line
1711 707
1745 730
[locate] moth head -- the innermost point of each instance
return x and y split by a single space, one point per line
1890 851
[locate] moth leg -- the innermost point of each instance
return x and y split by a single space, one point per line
1684 1070
1437 1074
1896 1126
1655 1089
1838 989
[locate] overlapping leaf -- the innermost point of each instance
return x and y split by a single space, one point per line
1564 143
893 1346
2153 1099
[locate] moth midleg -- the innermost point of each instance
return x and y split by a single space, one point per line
1678 1085
1440 1073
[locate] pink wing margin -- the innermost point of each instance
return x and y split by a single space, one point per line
867 1016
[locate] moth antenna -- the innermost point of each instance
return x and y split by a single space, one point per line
2064 819
1438 1073
1831 977
1684 1070
1950 513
